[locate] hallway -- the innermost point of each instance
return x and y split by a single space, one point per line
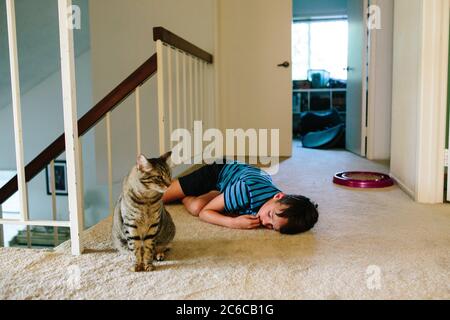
367 244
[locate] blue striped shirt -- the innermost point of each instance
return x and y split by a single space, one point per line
246 189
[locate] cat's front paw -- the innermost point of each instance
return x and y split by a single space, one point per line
138 268
149 267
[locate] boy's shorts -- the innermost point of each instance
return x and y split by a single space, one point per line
201 181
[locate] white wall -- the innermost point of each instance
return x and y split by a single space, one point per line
319 8
405 95
380 84
121 40
420 97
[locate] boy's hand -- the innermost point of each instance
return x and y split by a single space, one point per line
246 222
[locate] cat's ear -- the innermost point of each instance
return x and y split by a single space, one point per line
143 164
166 157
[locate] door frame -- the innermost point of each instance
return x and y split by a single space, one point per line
433 85
365 84
432 104
379 100
364 88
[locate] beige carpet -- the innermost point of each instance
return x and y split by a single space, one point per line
367 245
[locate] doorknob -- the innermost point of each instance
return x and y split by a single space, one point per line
349 69
285 64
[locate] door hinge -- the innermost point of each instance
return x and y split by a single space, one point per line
446 158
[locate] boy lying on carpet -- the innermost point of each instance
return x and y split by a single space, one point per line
241 196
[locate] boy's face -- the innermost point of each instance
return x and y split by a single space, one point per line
268 213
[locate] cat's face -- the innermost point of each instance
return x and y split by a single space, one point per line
155 174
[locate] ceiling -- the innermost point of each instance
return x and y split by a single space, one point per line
38 43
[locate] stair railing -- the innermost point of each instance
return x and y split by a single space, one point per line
184 96
185 86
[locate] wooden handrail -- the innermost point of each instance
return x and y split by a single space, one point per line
92 117
99 111
160 33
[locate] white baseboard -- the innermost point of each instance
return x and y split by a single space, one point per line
403 187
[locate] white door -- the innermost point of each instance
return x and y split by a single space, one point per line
357 75
256 93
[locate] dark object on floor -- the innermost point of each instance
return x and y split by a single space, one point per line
363 180
332 138
324 130
338 84
297 119
313 121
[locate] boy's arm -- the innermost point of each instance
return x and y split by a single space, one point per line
211 213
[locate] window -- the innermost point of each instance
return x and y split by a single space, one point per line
320 45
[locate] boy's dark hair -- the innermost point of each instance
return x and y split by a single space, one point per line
301 214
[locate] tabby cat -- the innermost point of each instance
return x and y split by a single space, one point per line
141 224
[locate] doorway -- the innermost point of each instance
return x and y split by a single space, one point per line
330 54
319 61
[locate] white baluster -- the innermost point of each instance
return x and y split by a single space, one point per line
109 160
17 112
80 148
210 104
54 209
197 116
214 99
161 97
170 92
138 120
185 101
202 95
191 94
177 78
198 156
70 124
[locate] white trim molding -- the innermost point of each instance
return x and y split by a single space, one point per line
379 102
432 101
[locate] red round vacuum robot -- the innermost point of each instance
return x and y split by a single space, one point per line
363 180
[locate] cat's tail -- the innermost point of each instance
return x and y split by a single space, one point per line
117 236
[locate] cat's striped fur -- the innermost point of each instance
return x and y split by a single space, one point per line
141 223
